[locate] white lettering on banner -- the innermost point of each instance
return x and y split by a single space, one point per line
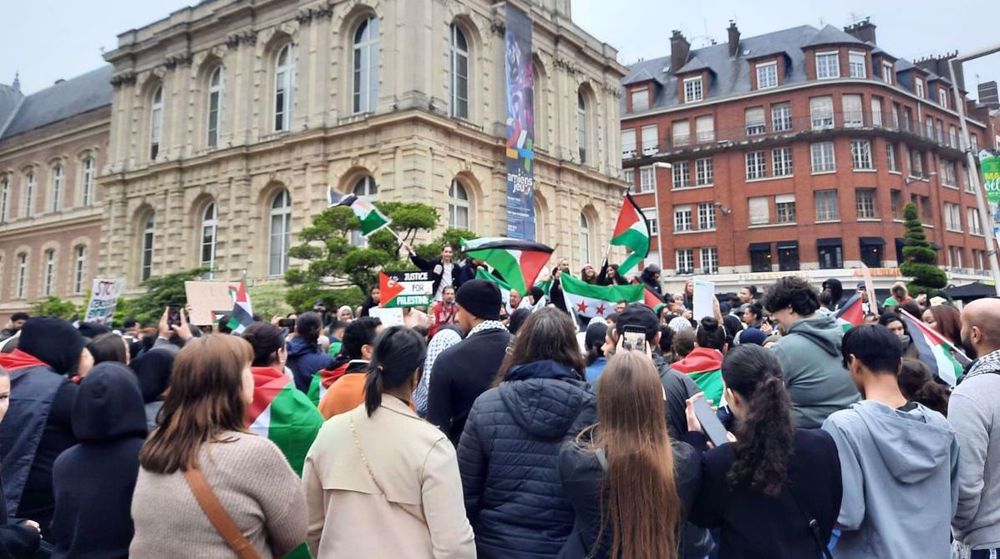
521 183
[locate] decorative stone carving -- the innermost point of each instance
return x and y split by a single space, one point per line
123 78
180 59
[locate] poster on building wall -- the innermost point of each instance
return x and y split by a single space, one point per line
104 294
519 76
991 184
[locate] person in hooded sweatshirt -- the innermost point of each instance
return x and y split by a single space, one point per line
809 352
704 364
17 539
898 459
305 358
38 426
153 371
509 452
346 389
94 480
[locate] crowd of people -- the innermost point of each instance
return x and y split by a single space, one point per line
500 428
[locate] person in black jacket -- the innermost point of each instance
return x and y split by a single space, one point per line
509 452
444 270
373 300
94 480
775 492
305 358
630 486
650 277
465 370
21 539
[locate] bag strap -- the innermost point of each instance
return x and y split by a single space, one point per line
217 515
813 525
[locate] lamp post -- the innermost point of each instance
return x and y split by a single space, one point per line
656 202
984 215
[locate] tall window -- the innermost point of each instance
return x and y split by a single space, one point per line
890 157
756 165
284 70
628 143
628 175
682 218
650 145
22 274
214 106
281 233
896 204
767 75
87 186
647 179
953 217
781 117
854 116
681 133
861 154
948 173
79 268
781 162
652 219
760 210
685 261
584 239
681 174
459 73
48 277
4 197
975 225
640 100
367 190
827 65
366 52
754 118
57 188
866 203
916 163
29 194
943 97
693 90
704 172
581 125
887 72
788 256
822 157
831 253
706 216
919 84
146 264
155 123
704 127
876 104
826 205
856 61
458 206
784 205
209 226
821 112
710 260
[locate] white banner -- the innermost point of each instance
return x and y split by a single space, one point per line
104 296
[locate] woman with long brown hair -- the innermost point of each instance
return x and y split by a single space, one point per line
629 484
203 438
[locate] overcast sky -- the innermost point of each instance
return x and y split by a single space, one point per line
46 40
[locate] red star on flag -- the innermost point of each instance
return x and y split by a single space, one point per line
600 310
582 307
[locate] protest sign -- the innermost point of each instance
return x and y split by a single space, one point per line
103 300
704 296
389 317
207 300
405 289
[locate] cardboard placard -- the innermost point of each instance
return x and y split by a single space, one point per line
406 289
104 296
704 293
207 300
389 316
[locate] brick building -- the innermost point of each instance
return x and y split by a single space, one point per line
797 150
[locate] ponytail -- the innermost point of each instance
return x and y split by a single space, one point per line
399 353
373 390
764 437
917 385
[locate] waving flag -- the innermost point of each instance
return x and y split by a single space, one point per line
242 315
283 414
631 232
482 274
652 300
851 314
945 360
371 219
519 262
590 300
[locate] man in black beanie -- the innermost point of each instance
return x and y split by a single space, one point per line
464 371
38 425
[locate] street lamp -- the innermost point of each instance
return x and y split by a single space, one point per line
984 215
656 202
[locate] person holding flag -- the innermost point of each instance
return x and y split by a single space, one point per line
444 270
632 232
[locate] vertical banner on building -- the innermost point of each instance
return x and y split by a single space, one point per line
519 73
103 300
991 184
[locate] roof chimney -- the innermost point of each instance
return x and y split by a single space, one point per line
734 39
17 82
680 48
988 95
863 31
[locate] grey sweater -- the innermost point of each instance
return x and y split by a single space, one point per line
974 411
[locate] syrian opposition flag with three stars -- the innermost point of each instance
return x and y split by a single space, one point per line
588 300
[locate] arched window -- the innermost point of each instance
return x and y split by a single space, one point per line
208 228
366 53
584 240
458 206
49 273
57 188
22 274
155 123
214 106
79 268
581 125
87 184
4 198
459 73
284 68
146 256
538 103
366 189
29 194
281 233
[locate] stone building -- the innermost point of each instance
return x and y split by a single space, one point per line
229 119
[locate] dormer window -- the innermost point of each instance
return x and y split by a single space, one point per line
767 75
919 85
693 90
640 99
887 72
943 97
827 65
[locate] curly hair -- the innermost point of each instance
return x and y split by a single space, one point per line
794 292
763 444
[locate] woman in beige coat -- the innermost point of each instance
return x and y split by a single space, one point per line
380 481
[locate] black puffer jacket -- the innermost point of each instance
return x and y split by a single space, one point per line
509 457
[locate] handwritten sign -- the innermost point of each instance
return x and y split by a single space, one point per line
104 297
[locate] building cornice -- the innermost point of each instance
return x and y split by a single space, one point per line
9 148
52 222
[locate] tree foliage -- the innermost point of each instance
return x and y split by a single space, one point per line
59 308
920 258
160 291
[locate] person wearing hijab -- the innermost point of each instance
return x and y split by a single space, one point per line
153 371
94 480
38 427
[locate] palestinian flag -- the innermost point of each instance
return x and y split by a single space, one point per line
519 262
371 219
631 232
588 300
704 367
851 314
242 315
482 274
652 300
283 414
945 361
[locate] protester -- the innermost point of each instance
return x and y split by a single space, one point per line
609 275
94 480
445 338
508 455
443 312
342 388
444 272
775 491
753 315
170 336
630 487
515 301
305 358
38 425
898 296
688 295
556 295
109 347
972 411
380 482
588 274
809 352
345 314
650 277
894 323
754 336
747 294
15 324
918 385
463 372
667 343
516 320
683 344
203 434
293 420
898 459
153 371
703 364
945 320
373 300
337 337
836 291
16 539
594 356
